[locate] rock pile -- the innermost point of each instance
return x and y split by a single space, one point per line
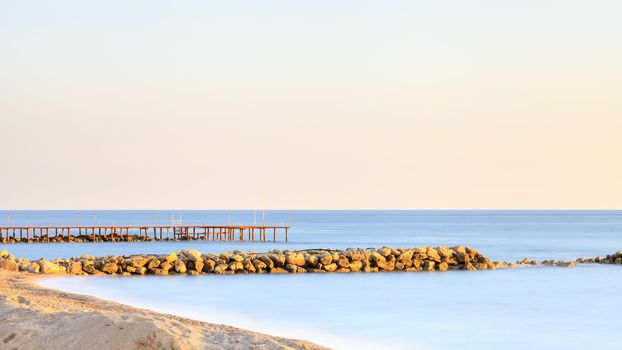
559 263
84 239
192 262
7 261
615 258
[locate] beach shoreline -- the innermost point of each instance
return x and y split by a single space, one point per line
36 317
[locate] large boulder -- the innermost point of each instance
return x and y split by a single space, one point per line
235 265
294 268
236 257
209 265
463 257
325 259
433 254
171 258
343 262
330 267
220 269
473 253
89 267
459 249
417 263
49 267
277 259
295 259
311 260
420 253
377 257
153 264
386 265
167 265
160 272
445 252
356 266
260 265
405 256
428 265
138 261
74 268
180 267
385 251
7 264
110 268
249 266
192 255
198 266
205 257
25 265
266 260
354 255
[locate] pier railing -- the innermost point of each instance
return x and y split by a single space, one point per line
116 233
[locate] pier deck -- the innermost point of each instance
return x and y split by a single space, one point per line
128 233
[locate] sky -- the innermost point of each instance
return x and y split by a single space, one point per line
324 104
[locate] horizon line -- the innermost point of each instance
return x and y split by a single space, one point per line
316 209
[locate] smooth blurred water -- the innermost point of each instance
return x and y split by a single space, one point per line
502 235
526 308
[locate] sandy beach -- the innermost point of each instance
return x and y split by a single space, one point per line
34 317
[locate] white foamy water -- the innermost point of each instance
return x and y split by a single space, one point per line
527 308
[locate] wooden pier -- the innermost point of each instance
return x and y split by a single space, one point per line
115 233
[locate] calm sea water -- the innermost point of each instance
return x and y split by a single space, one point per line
534 308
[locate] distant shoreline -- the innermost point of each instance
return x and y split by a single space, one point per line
37 317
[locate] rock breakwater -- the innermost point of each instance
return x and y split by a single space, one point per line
615 258
86 238
193 262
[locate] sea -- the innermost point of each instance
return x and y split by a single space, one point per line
522 308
